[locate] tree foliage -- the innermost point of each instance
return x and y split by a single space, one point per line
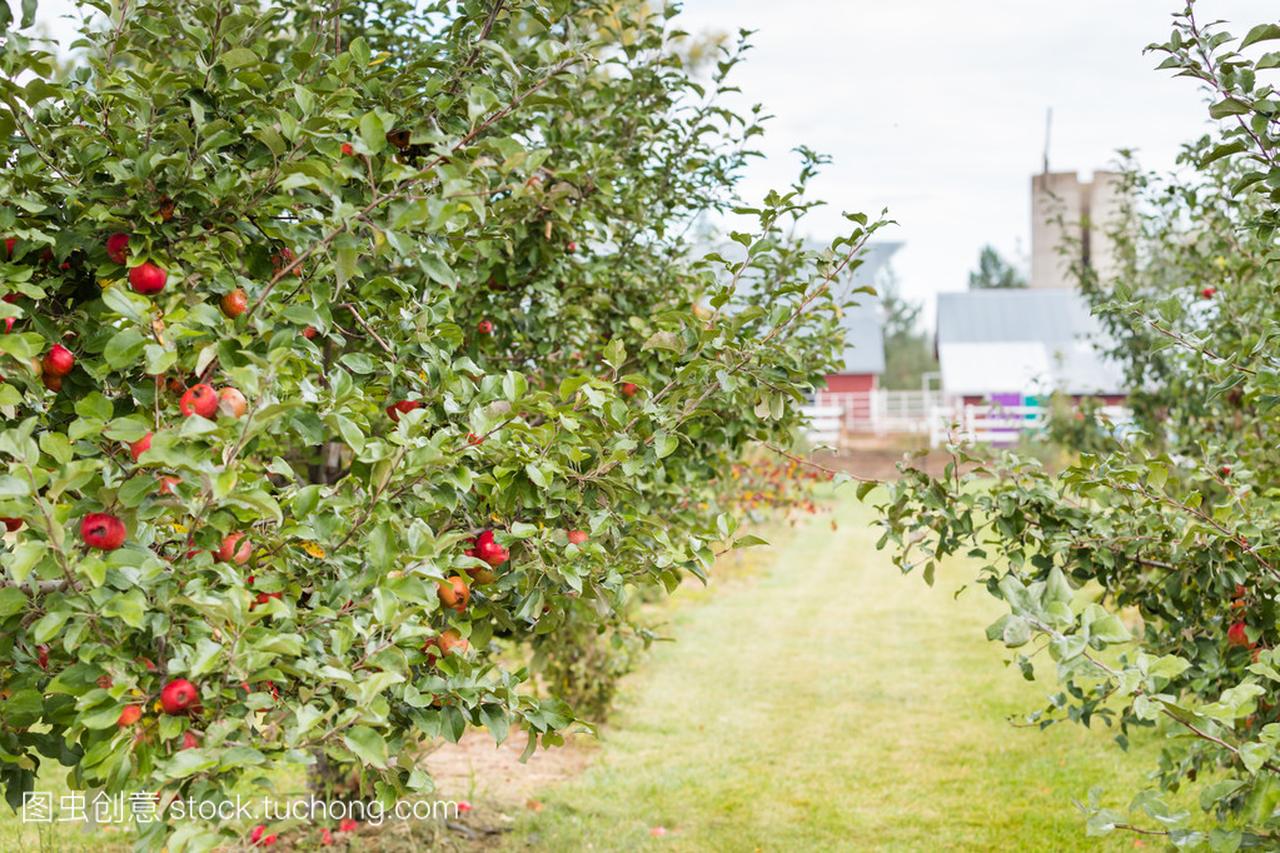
439 249
1143 578
994 272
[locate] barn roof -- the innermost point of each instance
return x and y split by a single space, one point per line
1030 341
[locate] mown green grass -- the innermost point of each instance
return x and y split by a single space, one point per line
834 704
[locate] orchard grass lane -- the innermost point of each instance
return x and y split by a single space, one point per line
830 704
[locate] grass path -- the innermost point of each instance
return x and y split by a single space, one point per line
832 704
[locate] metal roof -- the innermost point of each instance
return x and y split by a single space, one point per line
863 324
1031 341
863 337
976 316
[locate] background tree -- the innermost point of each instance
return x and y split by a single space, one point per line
351 349
994 272
1144 578
908 348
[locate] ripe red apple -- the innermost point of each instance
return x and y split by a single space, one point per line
42 656
118 248
199 400
577 537
347 150
130 715
260 838
103 531
10 243
232 403
629 389
8 324
147 278
571 247
453 593
1225 470
235 303
178 695
309 332
189 740
282 259
166 208
58 361
264 597
486 548
140 446
1208 292
1237 635
474 440
485 327
53 383
167 484
403 407
235 548
446 643
11 524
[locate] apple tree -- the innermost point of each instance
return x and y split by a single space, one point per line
350 346
1141 581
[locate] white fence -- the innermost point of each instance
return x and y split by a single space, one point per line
836 415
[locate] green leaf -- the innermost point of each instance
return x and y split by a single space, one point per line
12 600
372 133
238 57
1262 32
368 745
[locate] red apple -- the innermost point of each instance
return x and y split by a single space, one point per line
571 247
147 278
347 150
53 383
11 524
1237 635
235 303
232 403
42 656
403 407
474 440
454 593
577 537
309 332
118 248
446 643
486 548
130 715
629 389
484 327
1208 292
1226 470
235 548
8 324
140 446
58 361
282 259
348 824
199 400
10 243
103 531
167 484
178 695
260 838
189 740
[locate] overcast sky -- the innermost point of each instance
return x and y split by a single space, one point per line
935 109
